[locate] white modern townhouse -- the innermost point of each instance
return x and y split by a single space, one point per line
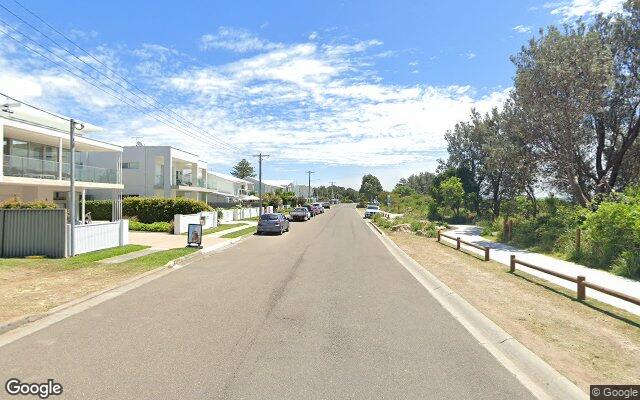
163 171
228 189
36 160
36 166
271 186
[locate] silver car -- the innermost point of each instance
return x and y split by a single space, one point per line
273 223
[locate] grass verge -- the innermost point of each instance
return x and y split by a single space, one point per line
589 342
34 286
241 232
219 228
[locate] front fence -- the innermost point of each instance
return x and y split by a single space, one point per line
33 232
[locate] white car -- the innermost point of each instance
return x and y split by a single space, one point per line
371 210
319 205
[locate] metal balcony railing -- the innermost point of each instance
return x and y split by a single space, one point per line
28 167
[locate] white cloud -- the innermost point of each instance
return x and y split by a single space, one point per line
470 55
237 40
414 63
572 9
313 36
303 103
522 28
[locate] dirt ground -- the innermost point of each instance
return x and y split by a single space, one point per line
31 287
589 343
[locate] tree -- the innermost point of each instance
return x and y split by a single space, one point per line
561 80
452 193
243 169
370 187
418 182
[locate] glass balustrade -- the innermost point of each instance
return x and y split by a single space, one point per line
28 167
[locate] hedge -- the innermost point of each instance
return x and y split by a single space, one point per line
16 203
153 227
147 209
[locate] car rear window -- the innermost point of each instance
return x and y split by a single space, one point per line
269 217
301 209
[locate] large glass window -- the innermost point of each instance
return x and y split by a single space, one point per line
19 148
36 150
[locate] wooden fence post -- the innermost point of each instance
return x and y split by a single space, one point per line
581 289
457 243
486 254
512 264
578 239
439 234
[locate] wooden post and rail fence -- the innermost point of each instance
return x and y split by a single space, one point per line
581 283
460 241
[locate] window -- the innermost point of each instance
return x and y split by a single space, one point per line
131 165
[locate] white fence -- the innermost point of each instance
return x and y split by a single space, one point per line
208 219
237 214
98 236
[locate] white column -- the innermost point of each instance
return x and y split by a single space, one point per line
84 198
60 159
168 175
194 174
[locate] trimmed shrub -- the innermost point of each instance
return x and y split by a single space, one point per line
153 227
16 203
148 209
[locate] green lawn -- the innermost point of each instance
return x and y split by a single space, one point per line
241 232
251 219
219 228
78 261
153 260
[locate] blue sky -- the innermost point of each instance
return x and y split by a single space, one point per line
342 88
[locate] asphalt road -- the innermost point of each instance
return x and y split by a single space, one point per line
322 312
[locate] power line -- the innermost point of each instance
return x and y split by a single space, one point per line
144 99
125 100
34 107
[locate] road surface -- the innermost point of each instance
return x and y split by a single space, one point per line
323 312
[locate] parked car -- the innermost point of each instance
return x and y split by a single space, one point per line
311 209
326 205
274 223
316 209
319 205
300 214
371 210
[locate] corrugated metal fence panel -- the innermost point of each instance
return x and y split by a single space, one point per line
33 232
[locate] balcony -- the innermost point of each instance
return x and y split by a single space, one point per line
26 167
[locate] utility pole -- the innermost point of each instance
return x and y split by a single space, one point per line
72 182
333 195
260 157
310 172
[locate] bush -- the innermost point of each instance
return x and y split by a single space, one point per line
147 209
627 264
153 227
16 203
610 231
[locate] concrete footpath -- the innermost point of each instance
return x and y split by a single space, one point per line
501 253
